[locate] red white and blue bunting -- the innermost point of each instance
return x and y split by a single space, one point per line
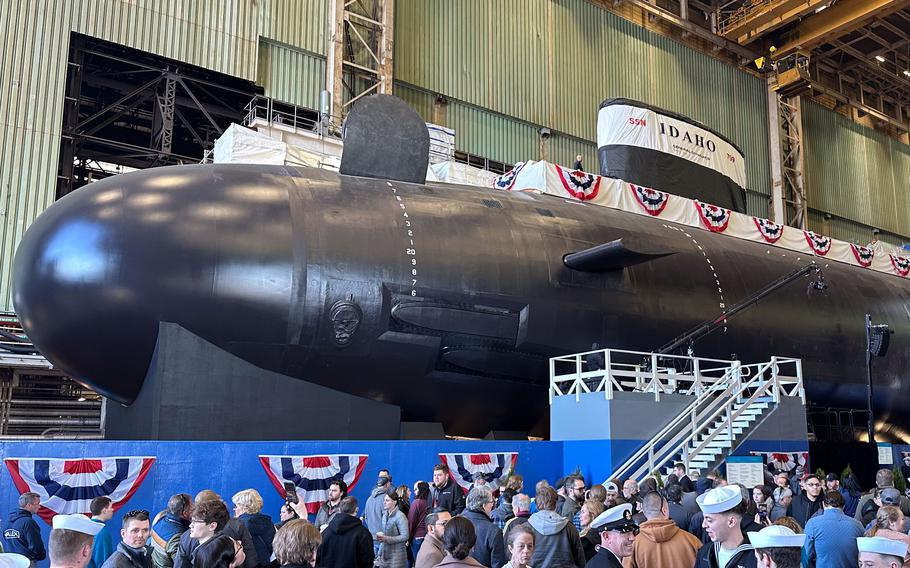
312 475
864 255
820 244
786 461
901 265
652 201
770 231
540 177
715 219
580 185
507 180
68 486
495 468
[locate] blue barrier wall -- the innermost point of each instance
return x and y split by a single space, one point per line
228 467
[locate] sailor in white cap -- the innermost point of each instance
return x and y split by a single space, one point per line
723 509
777 547
71 540
879 552
617 533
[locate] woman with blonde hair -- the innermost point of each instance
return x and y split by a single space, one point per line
588 512
889 520
296 544
248 509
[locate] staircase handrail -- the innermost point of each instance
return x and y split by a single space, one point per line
680 418
697 421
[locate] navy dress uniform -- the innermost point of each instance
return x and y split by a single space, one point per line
617 518
881 551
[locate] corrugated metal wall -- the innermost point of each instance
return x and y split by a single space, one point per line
290 74
856 174
552 62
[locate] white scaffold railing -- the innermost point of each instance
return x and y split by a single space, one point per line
722 392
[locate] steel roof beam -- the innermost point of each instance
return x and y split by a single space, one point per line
747 25
837 20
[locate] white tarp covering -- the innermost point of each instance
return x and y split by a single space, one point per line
566 183
456 172
442 143
642 127
239 145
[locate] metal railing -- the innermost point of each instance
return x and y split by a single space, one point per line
612 370
715 411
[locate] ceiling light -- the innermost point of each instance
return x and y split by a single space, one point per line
880 58
907 73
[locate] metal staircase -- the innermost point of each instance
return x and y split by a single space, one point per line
729 400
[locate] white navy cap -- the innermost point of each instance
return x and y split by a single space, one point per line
614 518
610 486
78 523
720 499
776 536
881 545
13 560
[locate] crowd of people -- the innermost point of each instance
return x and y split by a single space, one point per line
796 519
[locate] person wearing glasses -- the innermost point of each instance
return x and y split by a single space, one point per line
132 552
215 549
723 510
808 502
617 536
432 551
661 543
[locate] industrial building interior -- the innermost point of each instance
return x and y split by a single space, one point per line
816 91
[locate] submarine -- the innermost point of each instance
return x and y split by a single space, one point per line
446 301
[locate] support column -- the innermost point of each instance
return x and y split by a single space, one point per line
788 192
776 212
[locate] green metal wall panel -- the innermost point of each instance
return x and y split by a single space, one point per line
491 135
299 23
854 172
552 62
291 75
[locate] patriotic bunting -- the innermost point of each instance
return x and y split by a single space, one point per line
715 218
653 201
819 244
494 467
786 461
580 185
507 180
313 474
863 255
901 265
68 486
771 232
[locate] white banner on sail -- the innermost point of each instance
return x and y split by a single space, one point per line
628 125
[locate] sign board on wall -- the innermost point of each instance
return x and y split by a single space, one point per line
747 471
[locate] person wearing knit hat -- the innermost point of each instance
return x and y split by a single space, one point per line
878 552
617 535
71 540
777 547
723 510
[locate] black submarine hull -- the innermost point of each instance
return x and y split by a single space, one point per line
446 301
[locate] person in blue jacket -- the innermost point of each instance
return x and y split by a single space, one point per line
102 509
21 533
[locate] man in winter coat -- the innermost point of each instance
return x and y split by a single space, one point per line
346 543
521 509
166 532
132 552
661 543
490 549
883 478
445 492
556 541
338 490
617 533
102 510
808 502
21 534
432 550
372 510
723 510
